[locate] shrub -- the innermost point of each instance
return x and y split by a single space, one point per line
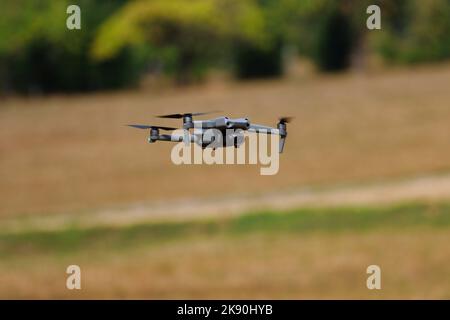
251 61
197 33
418 31
335 42
39 54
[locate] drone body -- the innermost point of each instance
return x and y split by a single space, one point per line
213 133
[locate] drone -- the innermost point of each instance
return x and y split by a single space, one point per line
232 130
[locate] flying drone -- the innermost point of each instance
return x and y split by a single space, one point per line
231 130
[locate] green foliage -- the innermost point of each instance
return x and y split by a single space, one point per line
39 54
120 38
299 22
335 42
198 29
417 31
323 30
258 62
262 60
24 20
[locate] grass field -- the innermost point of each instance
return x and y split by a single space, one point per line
71 156
73 153
306 253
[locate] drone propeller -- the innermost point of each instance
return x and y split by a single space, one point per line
139 126
187 121
182 115
286 119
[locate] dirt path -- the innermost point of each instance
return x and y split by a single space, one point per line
419 188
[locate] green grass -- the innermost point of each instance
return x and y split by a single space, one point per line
293 221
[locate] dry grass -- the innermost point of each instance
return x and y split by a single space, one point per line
414 265
308 253
71 153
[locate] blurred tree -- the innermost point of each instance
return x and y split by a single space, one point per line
193 33
253 61
39 54
335 42
416 31
119 39
323 30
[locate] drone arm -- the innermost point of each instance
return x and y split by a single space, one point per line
263 129
281 131
169 137
175 138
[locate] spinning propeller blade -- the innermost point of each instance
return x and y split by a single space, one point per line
182 115
140 126
286 119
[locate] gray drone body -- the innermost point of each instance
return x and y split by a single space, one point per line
231 131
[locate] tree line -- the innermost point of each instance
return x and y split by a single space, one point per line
121 40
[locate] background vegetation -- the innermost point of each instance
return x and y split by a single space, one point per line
122 40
